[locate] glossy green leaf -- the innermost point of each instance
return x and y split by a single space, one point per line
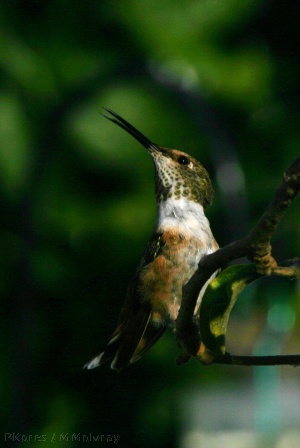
218 301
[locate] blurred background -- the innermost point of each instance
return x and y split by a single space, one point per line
217 79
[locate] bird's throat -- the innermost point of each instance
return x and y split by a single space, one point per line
186 216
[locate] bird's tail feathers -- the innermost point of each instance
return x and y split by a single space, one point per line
129 341
107 353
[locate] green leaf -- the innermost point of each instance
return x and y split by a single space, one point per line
218 301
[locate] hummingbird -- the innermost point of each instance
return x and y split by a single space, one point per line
182 236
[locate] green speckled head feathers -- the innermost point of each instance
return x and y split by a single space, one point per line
180 175
177 174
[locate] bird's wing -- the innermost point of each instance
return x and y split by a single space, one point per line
135 332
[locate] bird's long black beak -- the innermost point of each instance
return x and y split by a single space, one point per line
131 130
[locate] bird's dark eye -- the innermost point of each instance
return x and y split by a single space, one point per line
183 160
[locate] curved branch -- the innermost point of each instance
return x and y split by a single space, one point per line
255 246
276 360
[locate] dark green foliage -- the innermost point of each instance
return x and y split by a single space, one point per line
77 194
